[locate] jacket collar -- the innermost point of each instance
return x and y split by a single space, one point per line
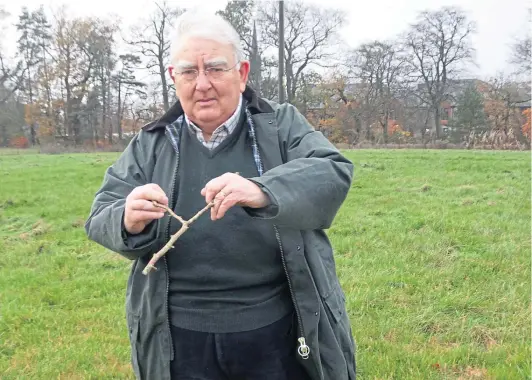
254 104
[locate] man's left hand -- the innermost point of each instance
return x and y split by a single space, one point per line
231 189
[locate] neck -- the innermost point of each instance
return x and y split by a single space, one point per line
209 128
207 136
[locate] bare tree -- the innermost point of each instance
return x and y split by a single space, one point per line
11 78
439 43
126 84
81 57
152 41
501 108
28 47
310 38
11 72
380 67
522 55
268 78
104 63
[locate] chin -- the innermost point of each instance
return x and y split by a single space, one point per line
207 115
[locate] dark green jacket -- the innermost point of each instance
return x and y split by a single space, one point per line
307 179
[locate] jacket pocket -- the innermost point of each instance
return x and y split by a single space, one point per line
133 329
335 309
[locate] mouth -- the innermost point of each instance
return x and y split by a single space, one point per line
205 102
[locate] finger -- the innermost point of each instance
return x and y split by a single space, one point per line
143 216
144 205
225 205
152 193
218 199
213 187
156 189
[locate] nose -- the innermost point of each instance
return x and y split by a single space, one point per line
202 82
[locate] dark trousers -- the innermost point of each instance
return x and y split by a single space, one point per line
268 353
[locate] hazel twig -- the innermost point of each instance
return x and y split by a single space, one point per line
157 204
184 226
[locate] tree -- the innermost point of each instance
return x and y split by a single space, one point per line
310 38
43 37
151 40
11 120
501 108
522 55
306 97
81 49
34 39
379 66
255 74
11 78
470 115
525 128
126 83
439 43
338 111
11 73
28 47
240 15
102 43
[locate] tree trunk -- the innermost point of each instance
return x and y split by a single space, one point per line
119 111
289 83
507 115
76 129
437 122
47 83
5 138
68 113
162 72
32 123
385 128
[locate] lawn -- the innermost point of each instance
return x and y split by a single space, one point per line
432 249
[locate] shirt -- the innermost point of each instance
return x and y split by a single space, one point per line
219 133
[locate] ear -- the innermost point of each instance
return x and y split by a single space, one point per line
244 74
171 72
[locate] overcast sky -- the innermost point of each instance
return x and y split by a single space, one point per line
498 22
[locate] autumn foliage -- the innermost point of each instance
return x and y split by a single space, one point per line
526 127
19 142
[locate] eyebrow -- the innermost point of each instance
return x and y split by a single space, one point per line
186 65
216 62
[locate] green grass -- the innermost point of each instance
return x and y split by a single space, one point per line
432 248
15 151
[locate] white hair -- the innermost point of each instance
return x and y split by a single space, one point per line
208 26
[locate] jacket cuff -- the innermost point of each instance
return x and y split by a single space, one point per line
140 240
270 211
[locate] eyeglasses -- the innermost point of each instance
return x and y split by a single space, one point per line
214 74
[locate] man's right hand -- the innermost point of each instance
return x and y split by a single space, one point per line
140 210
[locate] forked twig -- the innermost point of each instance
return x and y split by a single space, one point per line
184 226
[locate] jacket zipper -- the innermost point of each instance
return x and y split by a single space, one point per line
170 204
303 350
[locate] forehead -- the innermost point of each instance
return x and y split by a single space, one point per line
193 48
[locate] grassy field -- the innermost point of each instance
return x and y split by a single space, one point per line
432 247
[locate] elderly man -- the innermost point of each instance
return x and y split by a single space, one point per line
251 291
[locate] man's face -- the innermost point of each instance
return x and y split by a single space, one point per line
208 100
